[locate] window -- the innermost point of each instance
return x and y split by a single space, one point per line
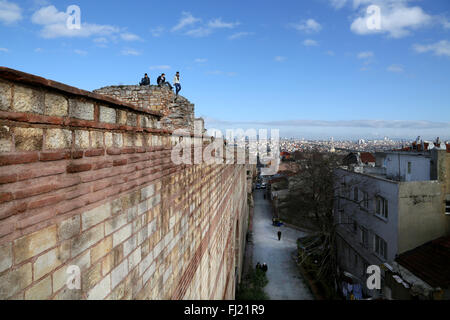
447 207
356 194
355 226
364 237
381 207
365 200
380 247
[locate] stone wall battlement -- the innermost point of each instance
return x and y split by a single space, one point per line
87 180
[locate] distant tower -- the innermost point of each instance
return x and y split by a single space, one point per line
332 149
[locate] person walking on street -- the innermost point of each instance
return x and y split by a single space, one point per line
176 82
258 266
264 267
279 235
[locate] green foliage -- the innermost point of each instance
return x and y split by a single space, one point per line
252 286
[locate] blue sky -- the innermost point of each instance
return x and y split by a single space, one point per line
284 64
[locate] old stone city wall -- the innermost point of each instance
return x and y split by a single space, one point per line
87 180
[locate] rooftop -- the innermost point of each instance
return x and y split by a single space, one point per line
430 262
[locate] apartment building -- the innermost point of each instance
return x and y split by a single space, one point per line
383 211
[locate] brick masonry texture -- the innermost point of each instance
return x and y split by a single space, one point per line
87 180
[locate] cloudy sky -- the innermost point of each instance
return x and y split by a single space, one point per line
314 68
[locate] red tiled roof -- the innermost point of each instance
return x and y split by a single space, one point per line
430 262
367 157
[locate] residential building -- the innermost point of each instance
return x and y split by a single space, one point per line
384 211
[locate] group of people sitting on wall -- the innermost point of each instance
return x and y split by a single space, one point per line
161 81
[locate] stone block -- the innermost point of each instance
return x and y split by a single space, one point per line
15 281
28 139
107 115
5 95
81 109
101 290
28 100
121 235
115 223
87 239
122 117
132 119
6 256
100 250
96 139
81 139
56 105
119 273
47 263
91 277
5 139
41 290
139 141
69 228
128 139
58 139
109 140
95 216
33 244
117 140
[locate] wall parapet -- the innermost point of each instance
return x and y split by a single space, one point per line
84 182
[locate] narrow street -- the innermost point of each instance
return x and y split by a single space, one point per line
285 281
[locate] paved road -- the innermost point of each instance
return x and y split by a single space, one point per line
285 281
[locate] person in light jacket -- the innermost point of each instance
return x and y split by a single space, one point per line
176 82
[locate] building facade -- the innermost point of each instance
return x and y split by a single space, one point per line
386 210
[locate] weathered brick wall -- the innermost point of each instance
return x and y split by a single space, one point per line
177 113
87 180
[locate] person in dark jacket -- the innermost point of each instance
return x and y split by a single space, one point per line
258 266
145 81
264 267
162 81
279 235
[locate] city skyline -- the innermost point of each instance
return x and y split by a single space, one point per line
309 62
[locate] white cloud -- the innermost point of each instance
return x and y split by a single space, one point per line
280 58
4 50
397 18
54 25
130 37
157 32
395 68
130 52
38 50
307 26
187 19
161 67
310 43
441 48
330 53
338 4
239 35
365 55
9 12
80 52
201 60
219 24
199 32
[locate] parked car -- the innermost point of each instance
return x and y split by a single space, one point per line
263 185
258 186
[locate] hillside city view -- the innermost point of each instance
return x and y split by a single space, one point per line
225 159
